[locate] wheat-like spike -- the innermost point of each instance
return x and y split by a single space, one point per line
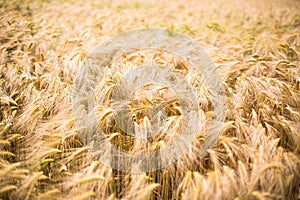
51 194
5 143
5 129
7 153
8 169
7 188
90 179
50 152
258 195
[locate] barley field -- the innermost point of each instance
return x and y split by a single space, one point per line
255 46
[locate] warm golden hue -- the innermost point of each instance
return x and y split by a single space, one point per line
256 48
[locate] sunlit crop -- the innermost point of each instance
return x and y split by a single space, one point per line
255 46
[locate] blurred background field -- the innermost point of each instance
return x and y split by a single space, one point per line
254 44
